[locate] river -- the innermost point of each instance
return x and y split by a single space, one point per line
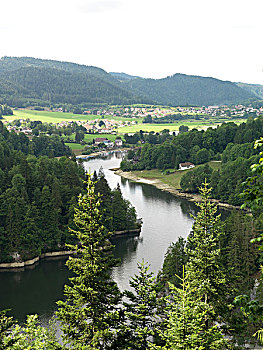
165 217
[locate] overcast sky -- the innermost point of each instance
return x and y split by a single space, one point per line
149 38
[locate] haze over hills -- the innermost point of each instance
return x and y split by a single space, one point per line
36 81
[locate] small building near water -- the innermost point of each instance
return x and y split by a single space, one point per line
185 166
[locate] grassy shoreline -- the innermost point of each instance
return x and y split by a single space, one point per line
164 185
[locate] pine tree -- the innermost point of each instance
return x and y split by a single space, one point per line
90 314
185 326
141 310
7 338
206 274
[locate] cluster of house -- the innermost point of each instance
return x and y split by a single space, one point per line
99 126
157 112
108 143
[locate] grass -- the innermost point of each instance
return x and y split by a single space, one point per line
57 117
198 124
173 179
74 146
90 137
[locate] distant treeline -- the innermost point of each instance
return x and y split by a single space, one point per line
231 142
5 110
170 118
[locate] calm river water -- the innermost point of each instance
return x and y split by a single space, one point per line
165 218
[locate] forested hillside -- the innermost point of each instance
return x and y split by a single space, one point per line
255 89
28 81
47 81
181 89
38 193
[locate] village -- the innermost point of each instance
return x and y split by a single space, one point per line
109 120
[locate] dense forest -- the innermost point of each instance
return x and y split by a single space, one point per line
229 142
202 299
28 81
46 82
181 89
38 193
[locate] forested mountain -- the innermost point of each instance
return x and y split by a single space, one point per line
182 89
123 76
25 80
58 82
255 89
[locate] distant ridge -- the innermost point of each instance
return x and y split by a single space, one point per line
256 89
123 76
60 82
182 89
31 81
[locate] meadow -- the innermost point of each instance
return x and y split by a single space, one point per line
57 117
174 178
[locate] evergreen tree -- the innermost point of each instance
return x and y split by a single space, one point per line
204 267
90 314
141 310
185 326
7 338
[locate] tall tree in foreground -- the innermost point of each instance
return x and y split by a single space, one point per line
142 309
89 316
204 268
253 195
185 326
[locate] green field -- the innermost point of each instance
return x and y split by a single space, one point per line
57 117
90 137
174 178
192 124
74 145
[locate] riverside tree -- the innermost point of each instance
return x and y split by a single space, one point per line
90 315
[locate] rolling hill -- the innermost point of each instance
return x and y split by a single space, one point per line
182 89
30 81
60 82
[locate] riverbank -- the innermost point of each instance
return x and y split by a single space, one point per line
168 188
22 264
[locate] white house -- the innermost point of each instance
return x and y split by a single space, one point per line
118 142
187 165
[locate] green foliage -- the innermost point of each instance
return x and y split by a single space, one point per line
90 314
141 310
174 260
45 82
7 337
118 213
206 273
186 324
181 90
254 184
35 199
192 180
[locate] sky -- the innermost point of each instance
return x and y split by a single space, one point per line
148 38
